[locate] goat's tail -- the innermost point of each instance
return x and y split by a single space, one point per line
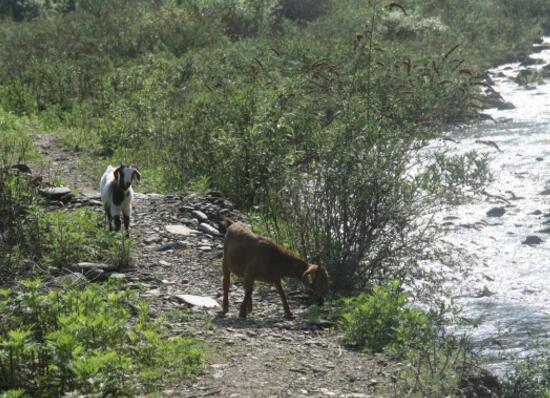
228 221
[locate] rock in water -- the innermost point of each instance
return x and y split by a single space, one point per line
496 212
532 240
198 301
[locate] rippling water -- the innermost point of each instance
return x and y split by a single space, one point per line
508 287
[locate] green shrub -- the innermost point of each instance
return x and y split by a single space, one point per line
383 319
98 339
529 377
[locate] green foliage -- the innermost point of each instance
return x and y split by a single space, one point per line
68 237
97 340
529 377
383 319
437 362
59 239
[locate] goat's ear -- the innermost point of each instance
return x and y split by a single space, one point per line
117 173
309 271
136 175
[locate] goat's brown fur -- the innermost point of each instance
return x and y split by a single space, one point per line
255 257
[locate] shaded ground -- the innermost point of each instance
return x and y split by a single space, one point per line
263 356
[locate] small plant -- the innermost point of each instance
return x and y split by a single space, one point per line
98 340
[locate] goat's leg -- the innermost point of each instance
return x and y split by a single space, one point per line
225 284
127 224
108 219
288 313
117 222
248 287
249 305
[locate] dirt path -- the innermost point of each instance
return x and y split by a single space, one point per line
263 356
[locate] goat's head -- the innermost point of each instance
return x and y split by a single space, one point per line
125 175
317 281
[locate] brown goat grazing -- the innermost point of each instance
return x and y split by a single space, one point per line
254 257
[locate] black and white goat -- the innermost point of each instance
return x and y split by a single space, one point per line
117 194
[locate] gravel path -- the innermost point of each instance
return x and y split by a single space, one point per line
262 356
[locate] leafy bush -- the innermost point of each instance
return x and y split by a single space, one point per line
383 319
438 363
529 377
98 340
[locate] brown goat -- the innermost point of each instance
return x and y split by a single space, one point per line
254 257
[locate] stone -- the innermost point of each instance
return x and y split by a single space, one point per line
485 292
198 301
72 279
84 267
496 212
22 168
149 240
180 229
207 228
199 215
532 240
116 275
55 192
171 245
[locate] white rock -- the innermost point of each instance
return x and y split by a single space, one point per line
198 301
179 229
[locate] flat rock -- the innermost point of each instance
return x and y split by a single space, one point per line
171 245
180 229
198 301
86 266
116 275
55 192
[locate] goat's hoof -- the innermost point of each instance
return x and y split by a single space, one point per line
289 316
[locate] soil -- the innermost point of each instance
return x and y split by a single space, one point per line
265 355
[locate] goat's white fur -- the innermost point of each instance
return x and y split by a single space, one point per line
106 187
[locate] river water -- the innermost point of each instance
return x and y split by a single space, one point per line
507 288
